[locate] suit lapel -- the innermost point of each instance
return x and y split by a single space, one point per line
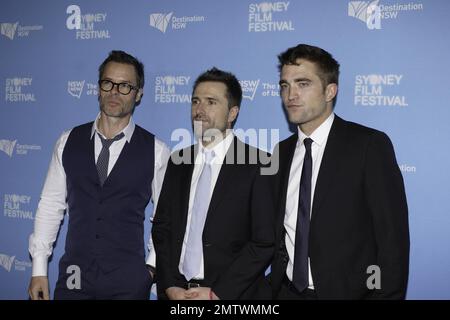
226 177
285 155
332 157
187 170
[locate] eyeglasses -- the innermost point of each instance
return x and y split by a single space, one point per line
123 87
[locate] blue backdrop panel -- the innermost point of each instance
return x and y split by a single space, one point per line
394 69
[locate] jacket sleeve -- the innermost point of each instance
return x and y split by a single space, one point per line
385 194
255 257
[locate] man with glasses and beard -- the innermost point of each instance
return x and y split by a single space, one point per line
103 173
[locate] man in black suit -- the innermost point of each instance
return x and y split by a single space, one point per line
342 217
213 228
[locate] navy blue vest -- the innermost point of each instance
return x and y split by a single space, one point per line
107 223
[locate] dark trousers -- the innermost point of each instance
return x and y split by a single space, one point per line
128 282
289 292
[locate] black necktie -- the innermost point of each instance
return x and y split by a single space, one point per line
300 275
103 157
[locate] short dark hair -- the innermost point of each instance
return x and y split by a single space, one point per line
327 66
123 57
234 90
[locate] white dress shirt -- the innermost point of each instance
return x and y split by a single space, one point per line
319 137
220 151
53 203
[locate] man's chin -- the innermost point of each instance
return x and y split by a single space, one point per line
113 114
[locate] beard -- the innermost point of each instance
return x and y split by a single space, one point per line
206 131
117 111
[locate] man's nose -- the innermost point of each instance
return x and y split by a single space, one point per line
293 93
115 88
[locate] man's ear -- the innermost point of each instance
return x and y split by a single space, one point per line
232 114
331 91
139 95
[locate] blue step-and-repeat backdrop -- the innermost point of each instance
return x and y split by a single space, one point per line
394 77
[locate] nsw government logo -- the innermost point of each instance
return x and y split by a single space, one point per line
75 88
372 12
11 30
268 17
172 89
17 207
378 90
86 25
162 21
7 262
249 88
8 147
18 90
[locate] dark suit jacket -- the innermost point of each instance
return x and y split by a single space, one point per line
359 215
238 237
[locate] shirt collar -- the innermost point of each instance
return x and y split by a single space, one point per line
220 150
127 131
319 135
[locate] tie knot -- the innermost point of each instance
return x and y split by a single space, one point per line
307 142
107 142
209 156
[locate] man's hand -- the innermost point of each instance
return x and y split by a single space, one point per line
38 289
176 293
201 293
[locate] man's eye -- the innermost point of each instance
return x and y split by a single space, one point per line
303 84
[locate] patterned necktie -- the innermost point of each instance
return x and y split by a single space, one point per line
194 244
300 274
103 157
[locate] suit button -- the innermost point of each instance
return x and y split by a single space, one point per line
97 236
99 219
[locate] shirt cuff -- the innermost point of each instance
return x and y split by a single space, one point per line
40 265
